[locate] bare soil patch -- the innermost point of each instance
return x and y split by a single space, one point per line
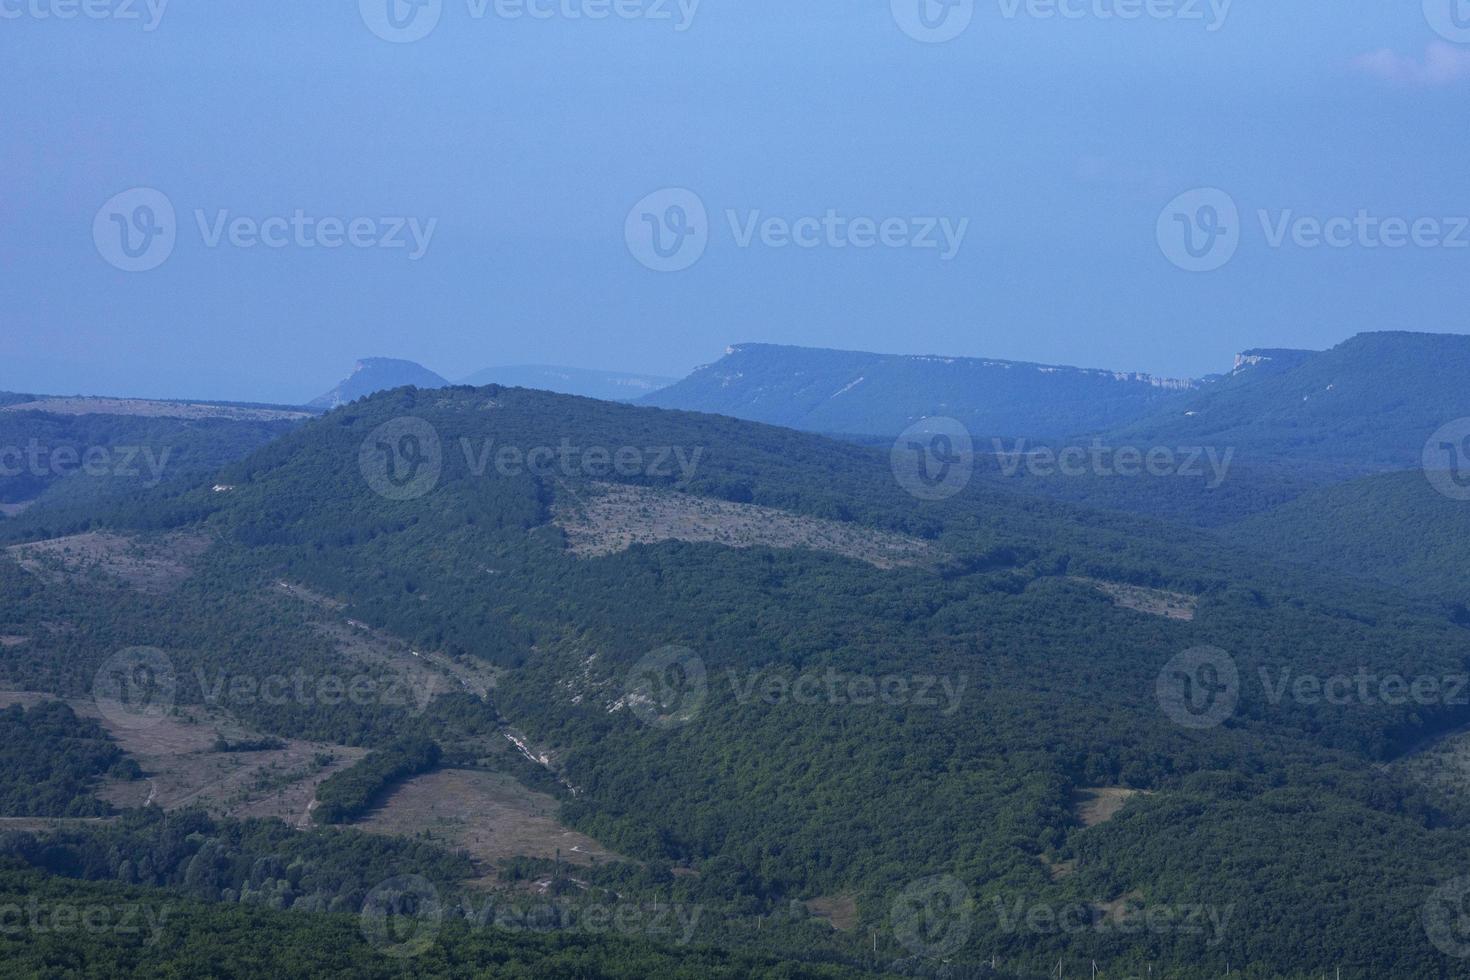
149 564
428 674
488 814
839 910
154 409
1099 804
183 768
1154 602
614 518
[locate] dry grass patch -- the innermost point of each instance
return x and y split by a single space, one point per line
428 674
154 409
1099 804
183 768
1154 602
156 565
841 911
488 814
614 518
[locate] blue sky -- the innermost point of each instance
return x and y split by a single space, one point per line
1057 141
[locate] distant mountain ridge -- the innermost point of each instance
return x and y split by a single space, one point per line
1371 401
857 393
610 386
374 374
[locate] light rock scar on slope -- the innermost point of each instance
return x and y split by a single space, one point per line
613 518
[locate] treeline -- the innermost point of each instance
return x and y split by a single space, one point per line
262 862
147 934
347 795
50 761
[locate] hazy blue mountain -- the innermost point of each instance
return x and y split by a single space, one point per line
1372 402
607 385
880 394
373 374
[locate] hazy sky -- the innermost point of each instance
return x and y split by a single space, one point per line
520 146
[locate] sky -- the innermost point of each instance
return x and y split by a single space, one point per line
237 200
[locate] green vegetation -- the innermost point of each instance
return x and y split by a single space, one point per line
1041 686
347 795
851 392
147 933
50 761
1370 402
1395 529
68 467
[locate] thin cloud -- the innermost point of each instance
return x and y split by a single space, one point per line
1443 64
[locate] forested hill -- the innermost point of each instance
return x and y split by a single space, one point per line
1395 528
879 394
583 546
1372 402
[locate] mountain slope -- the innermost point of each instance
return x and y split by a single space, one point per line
1394 528
762 781
878 394
1371 402
373 374
606 385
